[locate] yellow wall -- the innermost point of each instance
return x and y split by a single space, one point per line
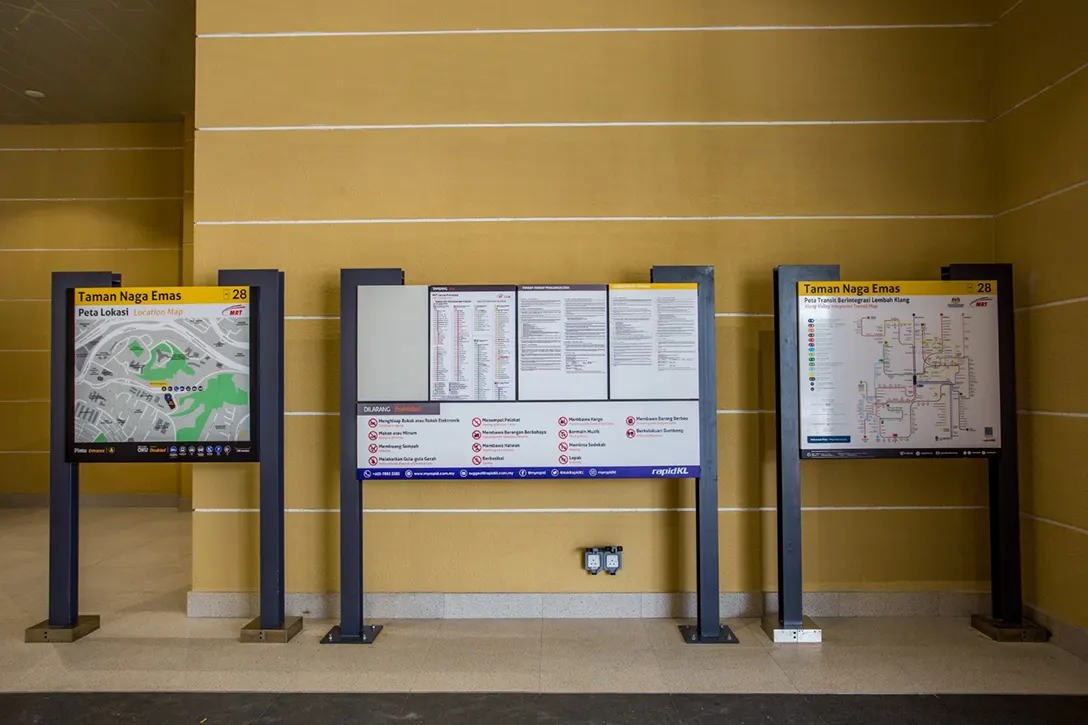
96 197
1041 104
892 199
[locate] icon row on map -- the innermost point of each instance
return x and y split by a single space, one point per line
200 450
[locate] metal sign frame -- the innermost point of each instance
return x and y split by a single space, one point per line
1007 622
353 629
65 624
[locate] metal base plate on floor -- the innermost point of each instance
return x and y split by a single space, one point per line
808 633
253 632
369 634
690 633
44 632
1026 631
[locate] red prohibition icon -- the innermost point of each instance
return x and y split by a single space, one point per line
562 434
373 447
373 422
563 446
477 435
372 435
563 420
476 422
564 459
630 433
373 461
477 460
477 447
630 420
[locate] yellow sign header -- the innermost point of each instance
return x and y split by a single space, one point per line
651 285
161 295
869 289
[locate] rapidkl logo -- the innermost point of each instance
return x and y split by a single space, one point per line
982 302
678 471
234 310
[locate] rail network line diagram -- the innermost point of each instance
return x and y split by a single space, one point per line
924 373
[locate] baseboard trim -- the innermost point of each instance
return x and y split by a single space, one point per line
94 500
1070 637
734 605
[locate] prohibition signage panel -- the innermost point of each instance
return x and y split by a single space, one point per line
162 374
559 381
899 369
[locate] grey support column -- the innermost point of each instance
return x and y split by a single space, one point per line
790 624
708 628
1007 623
266 355
352 629
65 623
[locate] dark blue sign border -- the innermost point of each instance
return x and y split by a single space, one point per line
383 474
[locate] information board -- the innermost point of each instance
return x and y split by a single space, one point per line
899 369
162 374
554 381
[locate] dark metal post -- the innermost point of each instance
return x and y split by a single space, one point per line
708 628
272 625
787 393
352 629
64 623
1007 622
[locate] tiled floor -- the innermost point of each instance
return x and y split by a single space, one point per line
135 573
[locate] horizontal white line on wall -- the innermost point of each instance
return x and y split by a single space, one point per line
94 198
720 412
1055 303
30 349
581 124
101 148
26 299
90 249
716 314
1055 414
556 31
1052 522
1040 92
1044 197
491 220
27 400
733 509
744 314
1010 9
24 453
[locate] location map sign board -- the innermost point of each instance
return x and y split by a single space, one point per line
162 374
541 381
899 369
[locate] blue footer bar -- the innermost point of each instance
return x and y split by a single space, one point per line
370 474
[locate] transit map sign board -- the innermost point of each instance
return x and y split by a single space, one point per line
899 369
162 374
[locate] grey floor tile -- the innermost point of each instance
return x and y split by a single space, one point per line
607 709
737 709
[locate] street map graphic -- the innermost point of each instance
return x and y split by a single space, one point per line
899 369
162 365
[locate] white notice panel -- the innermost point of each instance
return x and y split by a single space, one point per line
472 339
637 439
893 369
654 337
563 342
